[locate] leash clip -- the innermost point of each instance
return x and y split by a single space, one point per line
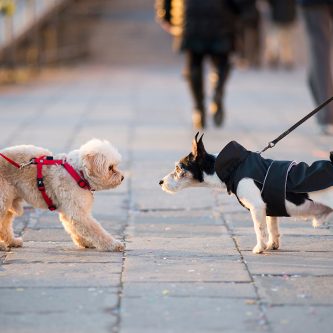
270 145
23 165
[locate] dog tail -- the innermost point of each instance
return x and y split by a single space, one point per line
331 156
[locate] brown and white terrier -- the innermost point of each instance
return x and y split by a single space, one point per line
199 168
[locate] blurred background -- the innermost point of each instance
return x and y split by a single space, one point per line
44 34
39 34
71 70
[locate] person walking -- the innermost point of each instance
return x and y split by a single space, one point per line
248 41
201 29
279 40
318 19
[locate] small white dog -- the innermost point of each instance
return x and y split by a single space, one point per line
267 188
62 182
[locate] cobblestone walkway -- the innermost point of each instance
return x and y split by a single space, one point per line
188 265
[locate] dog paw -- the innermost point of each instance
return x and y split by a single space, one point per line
112 246
118 246
3 247
16 242
259 248
273 245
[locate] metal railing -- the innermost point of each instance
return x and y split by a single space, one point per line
19 15
38 32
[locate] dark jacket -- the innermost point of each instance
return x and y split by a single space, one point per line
283 11
203 26
277 180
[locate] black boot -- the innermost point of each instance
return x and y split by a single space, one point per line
219 77
195 79
217 111
198 119
216 107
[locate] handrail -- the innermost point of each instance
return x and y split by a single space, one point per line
26 14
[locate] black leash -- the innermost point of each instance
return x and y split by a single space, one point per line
271 144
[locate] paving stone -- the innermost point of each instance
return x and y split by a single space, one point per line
60 275
283 262
179 247
181 271
46 235
20 301
293 319
175 218
290 290
171 314
189 230
198 289
201 269
60 252
53 322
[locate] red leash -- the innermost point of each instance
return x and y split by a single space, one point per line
48 160
10 161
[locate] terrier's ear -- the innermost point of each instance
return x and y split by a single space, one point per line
195 145
201 148
198 148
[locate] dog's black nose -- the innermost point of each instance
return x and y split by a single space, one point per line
122 178
161 182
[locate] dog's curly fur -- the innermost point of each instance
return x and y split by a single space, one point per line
97 159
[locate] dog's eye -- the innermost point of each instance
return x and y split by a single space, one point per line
111 168
179 171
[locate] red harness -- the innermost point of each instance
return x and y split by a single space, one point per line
48 160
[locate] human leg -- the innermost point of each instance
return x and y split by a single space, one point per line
194 75
318 21
220 75
286 52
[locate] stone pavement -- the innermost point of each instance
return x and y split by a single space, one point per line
188 265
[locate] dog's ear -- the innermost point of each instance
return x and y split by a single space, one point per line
198 148
92 163
195 145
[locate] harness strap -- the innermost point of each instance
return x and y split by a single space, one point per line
48 160
79 179
40 161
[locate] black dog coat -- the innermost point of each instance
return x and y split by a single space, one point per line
277 180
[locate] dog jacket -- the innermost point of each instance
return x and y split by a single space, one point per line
277 180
